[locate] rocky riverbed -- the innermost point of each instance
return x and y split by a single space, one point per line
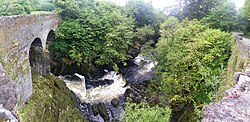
103 98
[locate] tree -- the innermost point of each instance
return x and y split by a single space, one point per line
190 63
223 17
141 11
15 7
192 9
246 9
197 9
98 32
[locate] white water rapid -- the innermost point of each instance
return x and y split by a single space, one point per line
101 93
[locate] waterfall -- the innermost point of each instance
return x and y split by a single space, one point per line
101 93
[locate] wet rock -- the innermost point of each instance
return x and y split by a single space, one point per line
88 86
103 111
95 109
72 78
134 95
115 102
109 81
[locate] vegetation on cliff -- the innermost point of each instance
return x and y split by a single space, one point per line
51 101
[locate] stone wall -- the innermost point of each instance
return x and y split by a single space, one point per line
16 36
234 107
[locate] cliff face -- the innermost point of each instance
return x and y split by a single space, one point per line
235 106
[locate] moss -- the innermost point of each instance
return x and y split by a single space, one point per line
14 76
51 101
24 68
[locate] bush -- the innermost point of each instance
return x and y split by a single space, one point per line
144 113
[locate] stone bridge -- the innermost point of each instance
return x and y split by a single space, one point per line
23 49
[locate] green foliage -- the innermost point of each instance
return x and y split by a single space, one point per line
141 11
192 9
99 32
190 62
145 33
145 16
16 7
223 17
246 9
144 113
197 9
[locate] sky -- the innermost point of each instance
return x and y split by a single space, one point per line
163 3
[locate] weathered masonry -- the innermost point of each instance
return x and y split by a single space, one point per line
23 41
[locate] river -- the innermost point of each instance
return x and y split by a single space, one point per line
111 86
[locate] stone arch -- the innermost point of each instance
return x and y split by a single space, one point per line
39 61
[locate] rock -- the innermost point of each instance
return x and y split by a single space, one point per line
134 95
247 71
72 78
236 77
95 109
116 120
109 81
88 86
6 115
243 79
103 111
115 102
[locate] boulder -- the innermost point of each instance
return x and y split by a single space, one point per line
103 111
95 109
115 102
